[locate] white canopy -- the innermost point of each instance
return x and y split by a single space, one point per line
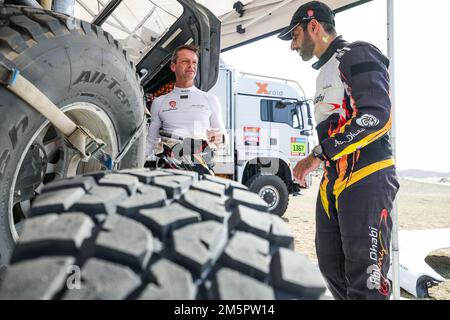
242 21
257 20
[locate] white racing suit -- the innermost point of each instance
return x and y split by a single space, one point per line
184 112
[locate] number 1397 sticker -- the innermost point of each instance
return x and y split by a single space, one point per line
298 147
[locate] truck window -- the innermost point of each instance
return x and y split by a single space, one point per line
291 114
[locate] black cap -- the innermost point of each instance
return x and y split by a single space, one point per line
310 10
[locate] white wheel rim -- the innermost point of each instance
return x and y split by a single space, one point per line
270 190
85 114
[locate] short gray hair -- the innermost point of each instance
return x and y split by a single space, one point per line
190 47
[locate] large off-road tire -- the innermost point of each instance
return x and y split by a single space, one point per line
164 234
84 71
273 190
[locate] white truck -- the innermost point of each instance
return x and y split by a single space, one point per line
270 128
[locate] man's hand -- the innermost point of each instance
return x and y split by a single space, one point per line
214 136
305 166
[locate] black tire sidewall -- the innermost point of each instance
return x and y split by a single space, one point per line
62 68
259 181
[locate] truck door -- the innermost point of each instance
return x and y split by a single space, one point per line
223 90
252 131
197 26
151 30
287 127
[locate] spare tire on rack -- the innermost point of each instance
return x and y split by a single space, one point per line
82 70
164 234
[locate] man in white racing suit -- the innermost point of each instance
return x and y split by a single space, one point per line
186 111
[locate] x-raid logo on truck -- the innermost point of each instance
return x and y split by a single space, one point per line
263 88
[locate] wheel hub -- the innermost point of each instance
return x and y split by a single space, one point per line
270 195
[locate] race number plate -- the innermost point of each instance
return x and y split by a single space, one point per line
298 147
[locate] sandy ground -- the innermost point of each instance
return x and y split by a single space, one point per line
420 206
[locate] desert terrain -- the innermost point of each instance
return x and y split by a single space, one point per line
422 204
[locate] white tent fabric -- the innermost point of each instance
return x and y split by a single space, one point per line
258 19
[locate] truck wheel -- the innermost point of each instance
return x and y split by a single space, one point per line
83 70
272 190
163 234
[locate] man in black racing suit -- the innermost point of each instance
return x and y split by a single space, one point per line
354 116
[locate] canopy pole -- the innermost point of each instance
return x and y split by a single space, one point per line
395 246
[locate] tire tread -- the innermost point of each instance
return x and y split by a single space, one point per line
207 256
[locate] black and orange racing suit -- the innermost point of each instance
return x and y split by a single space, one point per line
353 214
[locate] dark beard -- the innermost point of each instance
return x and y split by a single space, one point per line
307 52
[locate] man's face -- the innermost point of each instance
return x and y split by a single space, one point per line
185 68
302 43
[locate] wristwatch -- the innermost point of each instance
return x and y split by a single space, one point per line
317 152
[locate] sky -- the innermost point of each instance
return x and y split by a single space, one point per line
421 69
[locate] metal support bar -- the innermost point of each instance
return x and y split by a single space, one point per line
395 245
143 21
104 14
114 16
119 26
130 142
